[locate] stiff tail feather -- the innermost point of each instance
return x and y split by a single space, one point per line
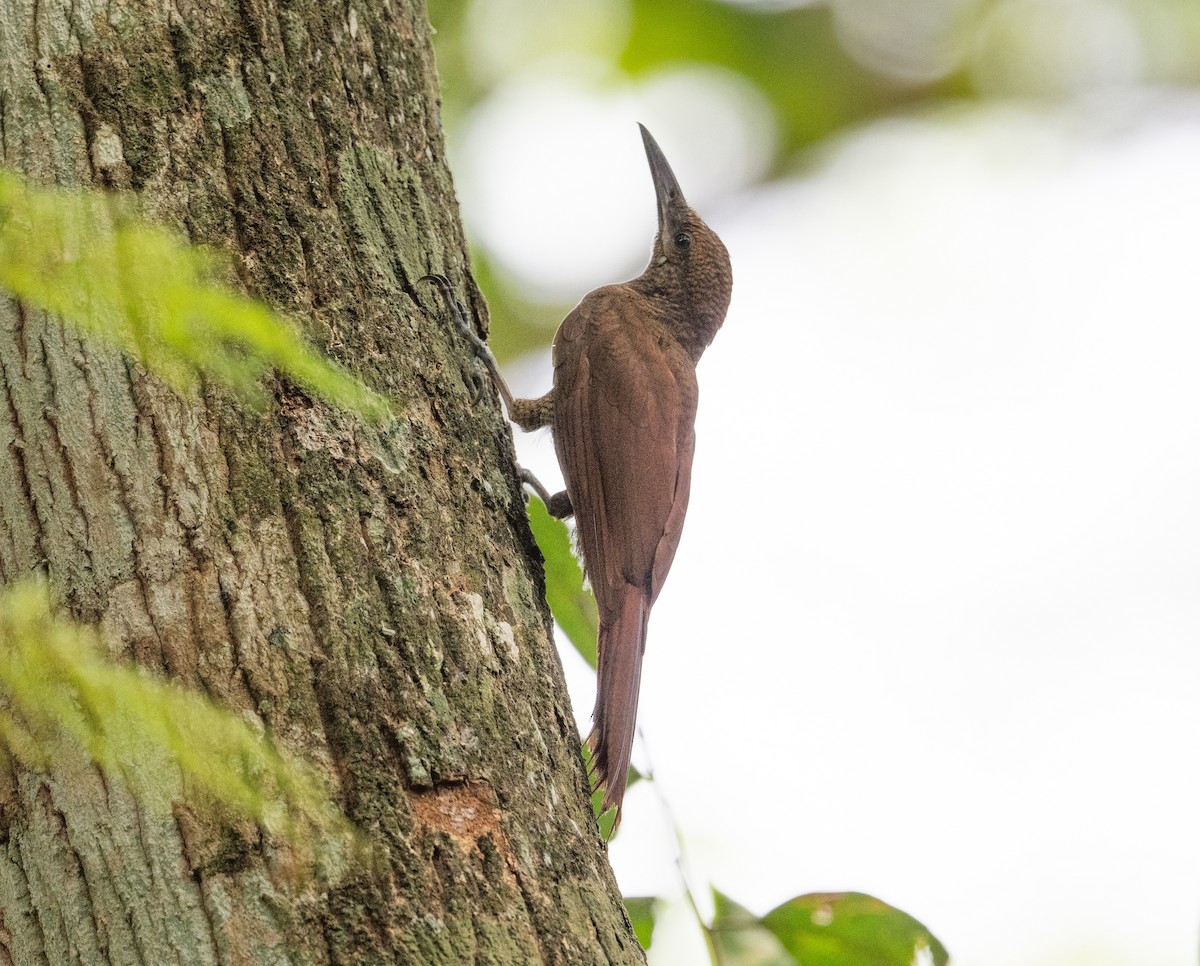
619 675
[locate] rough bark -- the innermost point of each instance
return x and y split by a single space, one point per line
371 595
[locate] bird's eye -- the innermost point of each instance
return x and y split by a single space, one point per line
683 240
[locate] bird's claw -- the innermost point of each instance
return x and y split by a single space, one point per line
534 484
459 315
477 344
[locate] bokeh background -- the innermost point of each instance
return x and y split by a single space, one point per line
933 632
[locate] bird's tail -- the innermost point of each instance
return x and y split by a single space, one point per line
619 675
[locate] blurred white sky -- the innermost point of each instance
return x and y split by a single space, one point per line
933 632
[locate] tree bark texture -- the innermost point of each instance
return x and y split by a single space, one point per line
372 596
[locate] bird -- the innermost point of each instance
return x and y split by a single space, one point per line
622 411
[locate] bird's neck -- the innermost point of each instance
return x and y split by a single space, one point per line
691 318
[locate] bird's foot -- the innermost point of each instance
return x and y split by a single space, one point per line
467 330
459 315
558 505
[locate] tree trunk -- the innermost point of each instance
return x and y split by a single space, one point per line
373 597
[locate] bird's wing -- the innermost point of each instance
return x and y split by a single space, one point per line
625 407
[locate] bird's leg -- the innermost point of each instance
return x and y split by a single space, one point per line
467 331
529 414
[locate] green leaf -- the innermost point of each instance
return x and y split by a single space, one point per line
642 911
62 701
852 929
573 606
87 258
740 939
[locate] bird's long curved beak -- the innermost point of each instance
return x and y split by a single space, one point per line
666 187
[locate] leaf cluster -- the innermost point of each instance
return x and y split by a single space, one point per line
61 696
88 258
822 929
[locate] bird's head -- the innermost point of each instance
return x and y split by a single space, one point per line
689 260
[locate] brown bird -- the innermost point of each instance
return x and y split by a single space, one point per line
623 413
